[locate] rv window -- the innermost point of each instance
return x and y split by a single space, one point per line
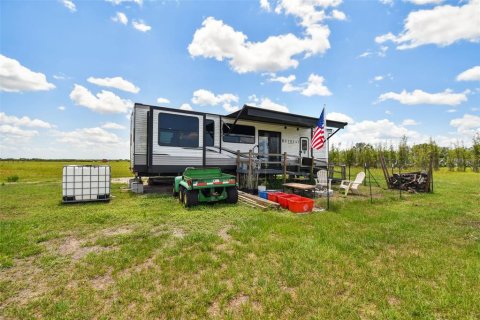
209 132
304 144
238 133
177 131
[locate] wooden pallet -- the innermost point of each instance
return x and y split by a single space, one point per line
257 202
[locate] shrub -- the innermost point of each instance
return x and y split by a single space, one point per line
13 178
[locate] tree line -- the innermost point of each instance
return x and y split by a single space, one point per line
457 157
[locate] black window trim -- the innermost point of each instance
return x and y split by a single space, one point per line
180 115
236 125
206 132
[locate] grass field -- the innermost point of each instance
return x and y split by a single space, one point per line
140 257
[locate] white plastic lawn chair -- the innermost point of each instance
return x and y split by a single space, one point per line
322 180
322 183
353 185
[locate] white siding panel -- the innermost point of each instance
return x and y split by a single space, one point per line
140 159
141 130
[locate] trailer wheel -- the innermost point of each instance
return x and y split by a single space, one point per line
190 198
174 193
181 193
232 195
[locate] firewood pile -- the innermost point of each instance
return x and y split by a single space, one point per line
411 181
420 181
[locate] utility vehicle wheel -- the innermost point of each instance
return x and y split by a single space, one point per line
181 193
232 195
190 198
174 193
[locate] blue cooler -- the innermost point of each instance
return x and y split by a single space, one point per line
263 194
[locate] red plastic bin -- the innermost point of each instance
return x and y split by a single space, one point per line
272 196
300 204
283 199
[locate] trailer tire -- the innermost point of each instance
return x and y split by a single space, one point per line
181 193
232 195
190 198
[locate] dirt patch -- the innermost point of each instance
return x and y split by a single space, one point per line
121 180
102 282
178 233
237 302
74 248
117 231
30 278
223 233
393 301
159 230
214 309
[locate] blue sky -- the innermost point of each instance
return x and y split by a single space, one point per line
71 70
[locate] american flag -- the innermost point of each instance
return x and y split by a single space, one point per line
318 139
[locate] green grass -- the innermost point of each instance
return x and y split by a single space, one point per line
35 171
148 257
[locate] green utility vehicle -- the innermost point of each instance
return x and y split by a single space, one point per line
205 185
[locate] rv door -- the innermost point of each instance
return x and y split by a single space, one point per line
304 147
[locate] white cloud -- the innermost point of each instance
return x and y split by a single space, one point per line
120 17
16 132
61 76
474 109
117 2
253 98
451 110
420 97
140 25
382 53
388 112
87 137
379 131
16 78
163 100
442 26
287 83
265 5
115 82
472 74
266 103
315 87
378 78
410 122
23 121
218 40
103 102
337 116
467 126
61 108
186 106
311 12
112 125
423 2
387 2
69 5
338 15
207 98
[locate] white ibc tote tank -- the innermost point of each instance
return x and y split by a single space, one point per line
86 183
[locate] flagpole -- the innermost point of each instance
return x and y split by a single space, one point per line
328 147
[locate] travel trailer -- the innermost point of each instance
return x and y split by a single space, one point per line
165 141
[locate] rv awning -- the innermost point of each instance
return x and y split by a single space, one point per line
277 117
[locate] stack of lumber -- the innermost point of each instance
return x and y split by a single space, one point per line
256 202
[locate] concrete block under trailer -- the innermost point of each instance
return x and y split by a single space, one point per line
205 185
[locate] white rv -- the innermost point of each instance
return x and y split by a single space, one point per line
164 141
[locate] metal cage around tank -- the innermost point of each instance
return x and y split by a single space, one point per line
85 183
